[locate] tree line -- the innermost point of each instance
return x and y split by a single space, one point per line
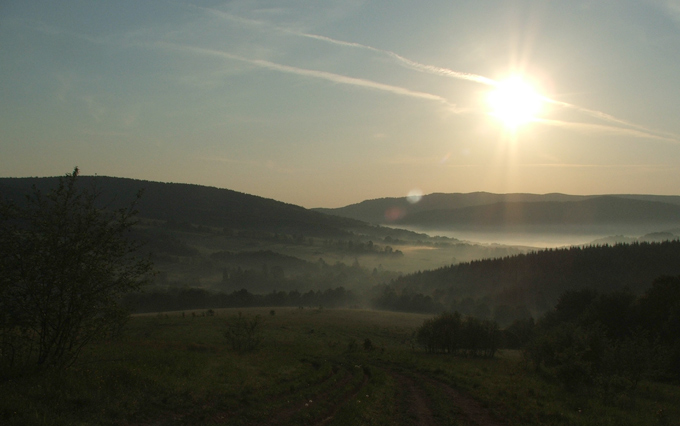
452 333
536 280
609 341
174 299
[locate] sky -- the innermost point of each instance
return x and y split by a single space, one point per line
328 103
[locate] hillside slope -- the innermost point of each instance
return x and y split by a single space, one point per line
481 209
388 210
535 280
605 210
197 204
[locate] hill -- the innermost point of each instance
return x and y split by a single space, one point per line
591 212
225 241
535 280
486 211
197 204
388 210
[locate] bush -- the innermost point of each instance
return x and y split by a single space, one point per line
65 265
244 334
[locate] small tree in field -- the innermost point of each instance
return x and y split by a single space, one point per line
65 265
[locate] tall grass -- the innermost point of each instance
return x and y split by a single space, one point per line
173 369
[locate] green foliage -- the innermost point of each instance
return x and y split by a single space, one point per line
171 369
609 341
244 334
450 333
66 263
405 301
176 299
538 279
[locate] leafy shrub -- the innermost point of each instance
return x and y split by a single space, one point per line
244 334
66 262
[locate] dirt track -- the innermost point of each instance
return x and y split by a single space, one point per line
419 401
422 411
415 404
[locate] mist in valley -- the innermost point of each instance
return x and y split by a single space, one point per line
557 236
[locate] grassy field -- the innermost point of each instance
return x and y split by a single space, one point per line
310 369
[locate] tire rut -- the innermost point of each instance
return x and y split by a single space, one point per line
418 408
470 412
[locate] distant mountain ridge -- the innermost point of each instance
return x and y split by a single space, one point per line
198 204
388 210
486 210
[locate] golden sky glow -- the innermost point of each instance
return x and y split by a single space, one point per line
346 100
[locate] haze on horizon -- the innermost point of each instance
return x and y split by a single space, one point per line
325 104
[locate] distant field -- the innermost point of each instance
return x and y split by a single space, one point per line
311 368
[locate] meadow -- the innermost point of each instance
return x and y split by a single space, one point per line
312 366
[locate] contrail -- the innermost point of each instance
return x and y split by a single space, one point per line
405 61
607 129
323 75
642 131
607 117
408 62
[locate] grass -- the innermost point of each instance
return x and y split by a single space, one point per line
168 369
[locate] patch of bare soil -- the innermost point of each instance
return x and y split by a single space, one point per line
282 416
350 394
418 410
469 411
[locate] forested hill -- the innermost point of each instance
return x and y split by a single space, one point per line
483 209
598 211
537 279
197 204
387 210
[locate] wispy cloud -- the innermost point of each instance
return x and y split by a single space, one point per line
323 75
431 69
593 166
641 130
629 128
600 128
620 126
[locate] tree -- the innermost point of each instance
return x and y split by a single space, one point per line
66 262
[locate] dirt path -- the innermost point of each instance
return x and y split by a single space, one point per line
420 401
418 410
468 411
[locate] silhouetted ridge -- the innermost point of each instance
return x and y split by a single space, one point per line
595 211
483 208
204 205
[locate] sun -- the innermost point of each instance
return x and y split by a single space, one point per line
514 102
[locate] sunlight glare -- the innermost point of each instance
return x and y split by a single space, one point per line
514 102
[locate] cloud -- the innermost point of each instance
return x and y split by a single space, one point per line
431 69
323 75
641 130
593 166
629 128
670 7
600 128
